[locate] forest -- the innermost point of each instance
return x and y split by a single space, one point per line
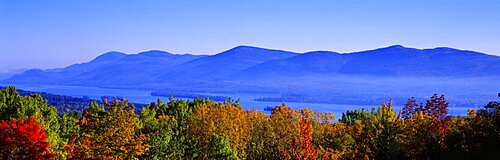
65 104
205 129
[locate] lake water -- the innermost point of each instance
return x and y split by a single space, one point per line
247 99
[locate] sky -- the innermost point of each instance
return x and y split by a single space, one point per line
50 34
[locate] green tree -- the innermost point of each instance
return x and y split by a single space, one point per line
177 141
159 129
220 148
13 105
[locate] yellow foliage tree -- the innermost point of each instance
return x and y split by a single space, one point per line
110 134
220 119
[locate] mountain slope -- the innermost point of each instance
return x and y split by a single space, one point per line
219 66
251 67
303 64
110 69
396 61
401 61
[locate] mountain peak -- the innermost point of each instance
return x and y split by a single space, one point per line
154 53
396 47
246 48
250 52
109 56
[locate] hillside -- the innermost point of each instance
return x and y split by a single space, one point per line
252 69
396 61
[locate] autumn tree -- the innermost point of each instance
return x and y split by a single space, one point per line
261 143
113 133
285 126
20 140
220 119
302 147
476 135
13 105
375 133
436 106
424 136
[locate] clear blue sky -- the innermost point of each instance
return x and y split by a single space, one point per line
47 34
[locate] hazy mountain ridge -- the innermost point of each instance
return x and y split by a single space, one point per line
111 67
241 65
219 66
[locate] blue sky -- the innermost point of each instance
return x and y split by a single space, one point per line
48 34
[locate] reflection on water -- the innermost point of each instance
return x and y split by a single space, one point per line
247 99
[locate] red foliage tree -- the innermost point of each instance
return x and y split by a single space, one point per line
436 107
302 147
20 140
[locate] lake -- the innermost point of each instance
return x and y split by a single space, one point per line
247 99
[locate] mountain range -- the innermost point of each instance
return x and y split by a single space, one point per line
253 69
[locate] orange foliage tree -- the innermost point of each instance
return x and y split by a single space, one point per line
424 136
285 126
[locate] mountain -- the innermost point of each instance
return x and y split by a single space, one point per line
252 68
110 56
437 62
110 69
220 66
6 74
303 64
391 61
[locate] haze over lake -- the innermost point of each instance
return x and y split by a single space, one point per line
247 99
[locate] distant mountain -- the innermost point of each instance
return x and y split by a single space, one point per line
390 61
109 69
441 62
110 56
239 66
219 66
322 62
6 74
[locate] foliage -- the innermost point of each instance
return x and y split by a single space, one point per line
20 140
168 126
13 105
260 144
302 147
436 107
110 134
226 119
220 148
204 129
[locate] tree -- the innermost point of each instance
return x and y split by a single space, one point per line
477 135
436 106
424 137
110 134
261 143
13 105
169 126
285 126
350 117
220 148
302 147
20 140
220 119
159 129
